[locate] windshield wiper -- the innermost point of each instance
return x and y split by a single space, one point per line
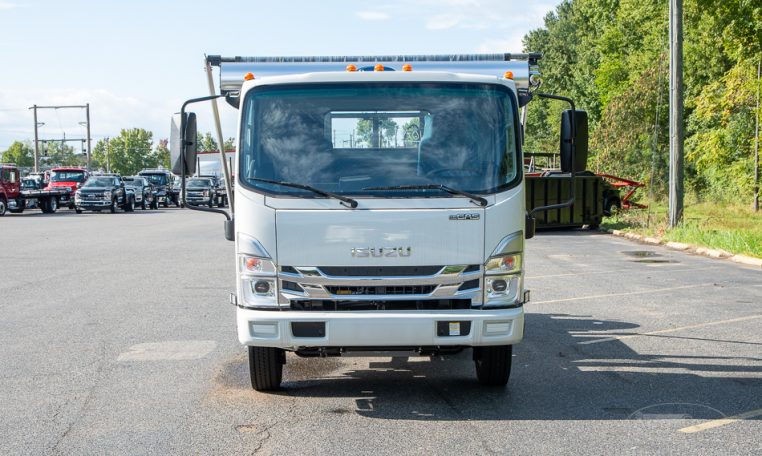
348 202
476 199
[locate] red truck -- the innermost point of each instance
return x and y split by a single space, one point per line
14 199
67 178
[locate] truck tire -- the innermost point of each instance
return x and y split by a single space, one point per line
20 206
266 367
49 205
113 206
129 205
144 204
493 364
3 206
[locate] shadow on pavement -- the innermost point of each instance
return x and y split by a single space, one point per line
553 378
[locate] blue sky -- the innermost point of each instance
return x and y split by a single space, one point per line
136 61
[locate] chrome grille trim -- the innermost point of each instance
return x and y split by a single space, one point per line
316 284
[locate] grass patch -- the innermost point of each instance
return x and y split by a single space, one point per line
736 229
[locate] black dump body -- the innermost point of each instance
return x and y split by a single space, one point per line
592 199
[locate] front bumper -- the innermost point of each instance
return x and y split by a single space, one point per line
382 328
93 205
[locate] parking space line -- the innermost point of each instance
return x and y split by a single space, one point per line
721 422
663 331
629 293
614 271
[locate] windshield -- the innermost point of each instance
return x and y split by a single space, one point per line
156 179
67 176
198 183
100 182
344 138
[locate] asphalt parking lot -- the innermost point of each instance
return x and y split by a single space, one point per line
116 337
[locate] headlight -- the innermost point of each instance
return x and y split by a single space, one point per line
107 194
251 265
206 193
503 264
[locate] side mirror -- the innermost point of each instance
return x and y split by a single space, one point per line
530 228
182 144
579 137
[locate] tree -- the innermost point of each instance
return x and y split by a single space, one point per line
22 154
206 142
161 153
126 154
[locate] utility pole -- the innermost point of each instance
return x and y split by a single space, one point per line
86 107
108 142
36 143
89 150
675 112
756 146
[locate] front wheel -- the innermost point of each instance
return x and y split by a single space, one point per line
129 206
113 207
266 367
3 206
493 364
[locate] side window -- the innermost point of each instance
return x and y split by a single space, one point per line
14 177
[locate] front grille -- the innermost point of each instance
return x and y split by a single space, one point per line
381 290
320 305
384 271
469 285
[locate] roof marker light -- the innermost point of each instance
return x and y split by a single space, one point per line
351 67
248 77
378 67
508 75
407 67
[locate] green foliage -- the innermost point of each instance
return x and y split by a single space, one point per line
22 154
206 142
611 57
128 153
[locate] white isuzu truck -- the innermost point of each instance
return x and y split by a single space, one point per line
379 206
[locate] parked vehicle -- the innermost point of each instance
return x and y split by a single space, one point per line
161 179
220 196
68 178
15 199
143 191
200 191
400 204
104 192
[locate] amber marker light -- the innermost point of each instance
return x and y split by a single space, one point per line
378 67
248 77
351 67
407 67
508 75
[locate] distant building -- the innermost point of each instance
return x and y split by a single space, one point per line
208 163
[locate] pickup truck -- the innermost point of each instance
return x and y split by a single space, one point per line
104 192
200 191
161 179
142 190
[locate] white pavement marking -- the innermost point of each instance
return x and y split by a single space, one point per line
629 293
171 350
662 331
721 422
613 271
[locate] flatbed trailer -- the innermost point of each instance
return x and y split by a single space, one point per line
595 198
13 199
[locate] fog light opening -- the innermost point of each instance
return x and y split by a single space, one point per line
262 287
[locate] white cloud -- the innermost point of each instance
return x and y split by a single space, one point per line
372 15
7 6
443 21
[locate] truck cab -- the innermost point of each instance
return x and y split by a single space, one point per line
69 179
380 210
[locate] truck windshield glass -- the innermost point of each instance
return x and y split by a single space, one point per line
350 138
100 182
67 176
156 179
199 183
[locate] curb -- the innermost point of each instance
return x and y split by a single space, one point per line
718 254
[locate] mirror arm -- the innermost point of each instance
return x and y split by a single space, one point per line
572 187
183 127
